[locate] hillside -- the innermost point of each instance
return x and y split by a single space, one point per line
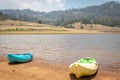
106 14
5 16
22 27
97 27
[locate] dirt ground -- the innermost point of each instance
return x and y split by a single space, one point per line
43 71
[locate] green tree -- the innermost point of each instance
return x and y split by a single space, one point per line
81 27
39 21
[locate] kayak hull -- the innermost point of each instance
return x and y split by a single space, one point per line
20 58
83 69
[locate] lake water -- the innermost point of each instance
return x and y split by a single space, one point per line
66 48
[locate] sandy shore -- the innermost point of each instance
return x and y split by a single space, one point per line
43 71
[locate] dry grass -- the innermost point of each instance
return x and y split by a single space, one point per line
22 27
97 27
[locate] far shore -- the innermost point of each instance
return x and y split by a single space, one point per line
22 27
38 33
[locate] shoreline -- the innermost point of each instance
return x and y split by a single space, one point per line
44 71
36 70
48 32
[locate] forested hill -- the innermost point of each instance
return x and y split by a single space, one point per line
106 14
5 16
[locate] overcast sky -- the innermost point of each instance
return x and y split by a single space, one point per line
49 5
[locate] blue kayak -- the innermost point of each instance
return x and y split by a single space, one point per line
20 58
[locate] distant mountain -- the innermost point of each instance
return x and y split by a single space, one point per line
26 14
5 16
106 14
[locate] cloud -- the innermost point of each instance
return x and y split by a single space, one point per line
36 5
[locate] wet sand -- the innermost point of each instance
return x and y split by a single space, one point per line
43 71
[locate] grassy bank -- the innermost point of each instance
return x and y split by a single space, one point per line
22 27
45 31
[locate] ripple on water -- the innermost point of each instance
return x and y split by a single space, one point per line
66 48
